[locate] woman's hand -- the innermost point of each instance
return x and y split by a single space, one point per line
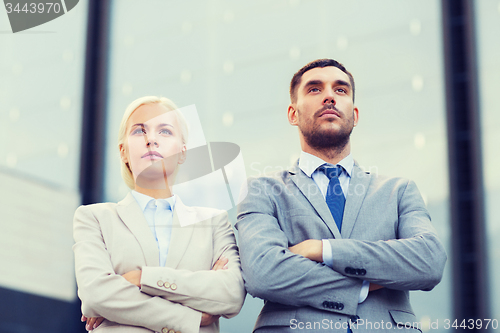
134 277
220 264
92 322
208 319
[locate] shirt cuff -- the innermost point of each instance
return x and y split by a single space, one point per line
327 253
363 294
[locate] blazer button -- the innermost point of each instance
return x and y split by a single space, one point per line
171 331
173 286
164 330
325 304
354 319
166 285
349 270
160 283
340 306
362 272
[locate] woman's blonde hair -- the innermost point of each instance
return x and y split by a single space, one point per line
126 172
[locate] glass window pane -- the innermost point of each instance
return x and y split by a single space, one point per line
488 50
41 89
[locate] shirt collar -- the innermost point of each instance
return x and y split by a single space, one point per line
309 163
143 200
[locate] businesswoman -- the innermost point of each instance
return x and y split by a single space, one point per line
150 263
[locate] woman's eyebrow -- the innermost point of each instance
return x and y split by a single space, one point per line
145 126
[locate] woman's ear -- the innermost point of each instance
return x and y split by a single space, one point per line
123 153
182 158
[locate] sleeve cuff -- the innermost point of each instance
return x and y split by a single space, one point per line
363 294
157 281
327 253
328 260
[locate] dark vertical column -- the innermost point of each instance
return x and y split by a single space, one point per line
93 115
94 102
470 279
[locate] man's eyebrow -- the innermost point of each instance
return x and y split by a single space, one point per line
312 83
342 83
319 82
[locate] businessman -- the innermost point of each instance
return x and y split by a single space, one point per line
326 245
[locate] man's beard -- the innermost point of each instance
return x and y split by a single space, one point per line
327 139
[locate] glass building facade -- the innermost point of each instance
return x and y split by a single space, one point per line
41 90
487 14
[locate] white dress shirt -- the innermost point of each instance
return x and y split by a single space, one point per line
310 164
159 214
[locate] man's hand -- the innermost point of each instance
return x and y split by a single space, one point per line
92 322
133 277
374 287
311 249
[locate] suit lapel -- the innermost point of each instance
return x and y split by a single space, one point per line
131 214
181 236
313 194
358 188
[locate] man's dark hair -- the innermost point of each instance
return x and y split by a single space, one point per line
297 77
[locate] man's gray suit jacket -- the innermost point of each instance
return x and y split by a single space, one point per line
387 239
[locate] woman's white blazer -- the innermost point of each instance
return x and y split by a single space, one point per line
114 238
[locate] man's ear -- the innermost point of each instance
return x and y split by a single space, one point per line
292 114
123 153
356 115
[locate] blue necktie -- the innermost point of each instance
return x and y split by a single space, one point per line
334 196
